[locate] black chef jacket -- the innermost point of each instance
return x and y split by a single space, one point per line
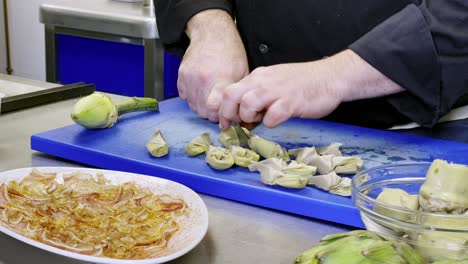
420 44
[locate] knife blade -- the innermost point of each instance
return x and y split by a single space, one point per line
243 137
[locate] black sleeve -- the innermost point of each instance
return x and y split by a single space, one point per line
173 15
423 48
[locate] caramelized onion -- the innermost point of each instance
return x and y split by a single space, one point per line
88 215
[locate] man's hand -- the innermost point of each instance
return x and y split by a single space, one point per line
214 59
307 90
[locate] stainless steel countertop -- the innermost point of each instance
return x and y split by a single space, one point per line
105 16
237 233
14 85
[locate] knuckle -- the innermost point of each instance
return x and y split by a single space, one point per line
260 71
230 94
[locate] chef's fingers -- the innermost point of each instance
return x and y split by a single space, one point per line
199 96
181 88
215 96
252 106
192 106
259 99
277 113
248 116
249 126
229 108
224 123
213 116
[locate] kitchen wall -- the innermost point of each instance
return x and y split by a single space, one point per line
26 39
2 42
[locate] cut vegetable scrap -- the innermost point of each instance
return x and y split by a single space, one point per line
303 155
243 157
333 149
198 145
299 169
219 158
274 163
347 165
332 183
272 174
157 146
324 164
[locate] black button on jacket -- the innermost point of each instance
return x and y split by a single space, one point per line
420 44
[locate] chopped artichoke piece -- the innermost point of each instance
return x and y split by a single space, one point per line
299 169
359 247
274 163
400 198
229 137
333 149
445 188
291 181
198 145
347 165
303 155
157 146
266 148
271 174
219 158
285 155
332 183
343 188
243 157
324 164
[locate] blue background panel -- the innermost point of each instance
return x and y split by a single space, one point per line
113 67
122 147
171 72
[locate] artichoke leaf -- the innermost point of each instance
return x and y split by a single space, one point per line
357 247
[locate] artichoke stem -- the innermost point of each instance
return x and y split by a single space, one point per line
137 104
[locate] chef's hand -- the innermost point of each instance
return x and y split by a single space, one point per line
214 59
307 90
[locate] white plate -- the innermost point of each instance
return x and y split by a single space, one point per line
192 228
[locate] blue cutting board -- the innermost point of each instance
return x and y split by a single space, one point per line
122 147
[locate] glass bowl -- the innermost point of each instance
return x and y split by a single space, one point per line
434 236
